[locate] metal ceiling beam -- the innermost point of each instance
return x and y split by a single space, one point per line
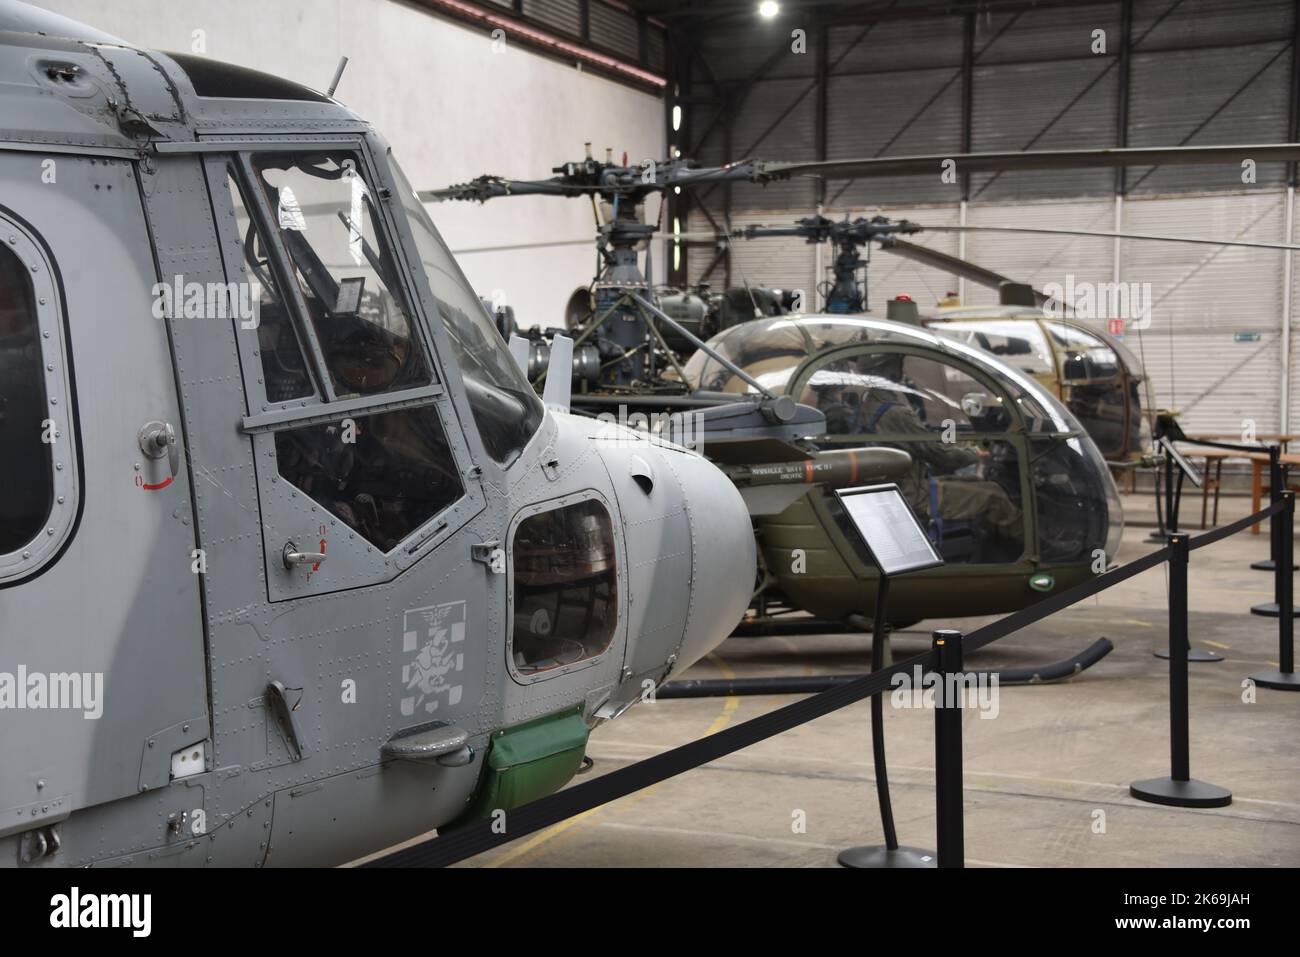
968 92
1123 95
1293 96
820 130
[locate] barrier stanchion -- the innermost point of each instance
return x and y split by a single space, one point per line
1274 494
889 854
1179 789
1285 677
1281 569
948 796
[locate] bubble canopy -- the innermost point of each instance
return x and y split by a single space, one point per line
771 350
883 382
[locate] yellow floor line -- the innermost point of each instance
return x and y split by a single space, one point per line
537 840
730 705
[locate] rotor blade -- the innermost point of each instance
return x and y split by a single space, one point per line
588 241
952 264
690 176
1041 159
1109 235
517 246
489 187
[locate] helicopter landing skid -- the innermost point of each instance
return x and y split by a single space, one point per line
803 684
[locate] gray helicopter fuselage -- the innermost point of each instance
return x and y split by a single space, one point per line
208 659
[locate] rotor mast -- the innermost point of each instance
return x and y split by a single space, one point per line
847 293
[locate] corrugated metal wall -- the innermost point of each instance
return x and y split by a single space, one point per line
614 29
1200 72
564 16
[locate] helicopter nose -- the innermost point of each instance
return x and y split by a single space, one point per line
723 557
690 568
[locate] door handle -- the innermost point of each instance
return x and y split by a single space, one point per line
292 556
158 439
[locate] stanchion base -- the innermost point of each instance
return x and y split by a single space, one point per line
1158 538
1193 654
1180 793
1269 610
1279 680
881 856
1268 565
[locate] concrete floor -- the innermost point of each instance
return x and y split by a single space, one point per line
1046 780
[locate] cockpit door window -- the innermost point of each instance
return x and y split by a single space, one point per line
358 448
341 269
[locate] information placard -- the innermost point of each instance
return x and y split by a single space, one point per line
889 528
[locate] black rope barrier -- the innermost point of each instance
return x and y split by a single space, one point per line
1227 531
943 658
1015 621
482 836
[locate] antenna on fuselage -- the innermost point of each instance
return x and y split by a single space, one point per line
338 75
558 390
519 352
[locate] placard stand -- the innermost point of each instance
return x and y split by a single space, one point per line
875 518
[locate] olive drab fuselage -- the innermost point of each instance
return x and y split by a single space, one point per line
1009 487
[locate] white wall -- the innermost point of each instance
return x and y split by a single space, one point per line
451 107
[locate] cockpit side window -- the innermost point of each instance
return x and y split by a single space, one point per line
862 392
1084 357
38 474
964 483
26 472
565 585
343 270
1018 343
